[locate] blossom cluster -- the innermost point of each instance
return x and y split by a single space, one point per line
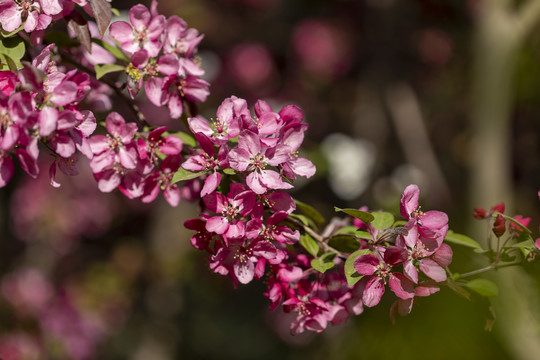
251 236
418 249
40 103
163 56
139 166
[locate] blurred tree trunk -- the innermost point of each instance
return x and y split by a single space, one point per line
500 32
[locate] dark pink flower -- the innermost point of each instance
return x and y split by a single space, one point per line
238 203
380 273
143 33
253 156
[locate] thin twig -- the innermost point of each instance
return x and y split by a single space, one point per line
319 238
488 268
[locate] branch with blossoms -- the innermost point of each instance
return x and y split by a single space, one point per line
56 88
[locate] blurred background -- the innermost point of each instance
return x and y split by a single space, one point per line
441 93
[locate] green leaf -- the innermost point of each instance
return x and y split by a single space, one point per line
309 244
463 240
483 287
309 211
115 11
116 52
350 272
362 215
304 219
362 234
6 34
344 243
382 220
186 138
102 70
347 230
183 175
14 49
400 223
229 171
324 263
460 290
7 63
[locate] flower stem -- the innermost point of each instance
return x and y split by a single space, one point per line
488 268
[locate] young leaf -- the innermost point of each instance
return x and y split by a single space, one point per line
14 49
229 171
324 263
347 230
183 175
483 287
364 235
463 240
309 244
361 215
344 243
8 64
117 53
102 70
309 211
80 29
186 138
102 13
350 272
382 220
459 289
304 219
6 34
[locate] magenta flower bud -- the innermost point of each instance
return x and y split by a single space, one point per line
499 226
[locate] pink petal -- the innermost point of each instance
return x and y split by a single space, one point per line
139 17
48 117
401 286
409 200
64 94
303 167
366 264
109 180
121 31
10 16
172 195
217 224
62 144
443 256
7 169
432 270
128 158
167 64
52 175
244 271
410 271
51 7
154 91
211 183
373 292
171 145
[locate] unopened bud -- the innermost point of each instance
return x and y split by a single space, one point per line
498 208
479 213
499 226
